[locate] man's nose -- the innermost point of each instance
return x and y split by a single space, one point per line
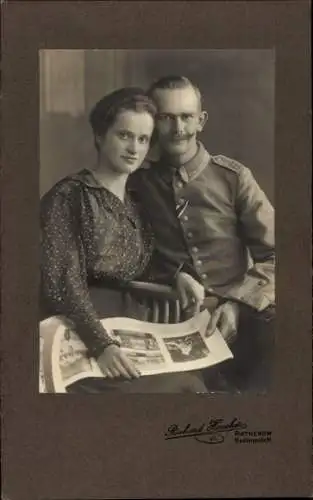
178 125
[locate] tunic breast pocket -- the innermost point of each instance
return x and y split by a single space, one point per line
207 224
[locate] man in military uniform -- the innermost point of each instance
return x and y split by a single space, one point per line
215 227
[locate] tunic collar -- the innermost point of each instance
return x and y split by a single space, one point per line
191 168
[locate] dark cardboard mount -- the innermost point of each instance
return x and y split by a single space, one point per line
59 447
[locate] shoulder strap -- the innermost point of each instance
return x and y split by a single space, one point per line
229 163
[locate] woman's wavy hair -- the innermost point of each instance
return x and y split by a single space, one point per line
105 111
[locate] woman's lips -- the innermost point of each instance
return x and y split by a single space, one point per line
129 159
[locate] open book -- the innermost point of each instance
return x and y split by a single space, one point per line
154 348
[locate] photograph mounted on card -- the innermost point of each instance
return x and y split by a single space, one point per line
129 132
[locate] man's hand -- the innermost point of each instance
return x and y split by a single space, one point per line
114 363
191 293
225 318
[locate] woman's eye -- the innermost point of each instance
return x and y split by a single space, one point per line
144 140
123 135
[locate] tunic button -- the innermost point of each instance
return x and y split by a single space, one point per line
199 262
185 217
179 184
204 276
181 201
195 249
189 235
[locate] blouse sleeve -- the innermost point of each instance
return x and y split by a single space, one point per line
64 285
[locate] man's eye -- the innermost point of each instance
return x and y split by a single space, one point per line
164 117
186 116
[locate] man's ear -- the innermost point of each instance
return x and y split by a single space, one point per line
203 117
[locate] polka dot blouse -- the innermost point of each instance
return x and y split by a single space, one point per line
88 235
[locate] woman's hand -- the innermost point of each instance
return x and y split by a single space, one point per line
191 293
114 363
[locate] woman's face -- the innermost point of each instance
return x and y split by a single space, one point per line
126 143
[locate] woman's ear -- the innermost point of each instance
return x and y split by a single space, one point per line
154 152
97 142
154 138
203 117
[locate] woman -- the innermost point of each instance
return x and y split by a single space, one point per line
94 234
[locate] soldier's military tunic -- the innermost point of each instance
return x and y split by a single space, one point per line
212 220
211 216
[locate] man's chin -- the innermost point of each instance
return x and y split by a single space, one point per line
178 148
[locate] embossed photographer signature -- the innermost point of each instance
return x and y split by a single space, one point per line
212 432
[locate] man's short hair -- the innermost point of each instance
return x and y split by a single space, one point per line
174 82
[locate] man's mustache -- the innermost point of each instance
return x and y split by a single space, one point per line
180 137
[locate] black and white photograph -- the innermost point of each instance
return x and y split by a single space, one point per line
186 348
137 341
157 167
